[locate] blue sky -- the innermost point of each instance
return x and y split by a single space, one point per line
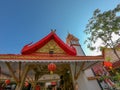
25 21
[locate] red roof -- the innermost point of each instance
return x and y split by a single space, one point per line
31 48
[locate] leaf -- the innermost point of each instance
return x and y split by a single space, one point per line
108 58
101 26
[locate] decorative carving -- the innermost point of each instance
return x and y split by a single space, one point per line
39 57
53 30
51 46
72 39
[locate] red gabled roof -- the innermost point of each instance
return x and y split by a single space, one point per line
30 48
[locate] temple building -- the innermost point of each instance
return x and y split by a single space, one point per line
50 61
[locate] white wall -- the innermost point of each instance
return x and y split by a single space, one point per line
79 51
83 82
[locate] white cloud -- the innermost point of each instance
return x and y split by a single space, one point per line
99 43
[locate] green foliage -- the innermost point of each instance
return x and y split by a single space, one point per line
102 26
108 58
116 77
103 78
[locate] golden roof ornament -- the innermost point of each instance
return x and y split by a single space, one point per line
53 30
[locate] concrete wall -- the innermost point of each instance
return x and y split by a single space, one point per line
79 51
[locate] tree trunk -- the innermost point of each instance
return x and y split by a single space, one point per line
11 71
34 86
24 74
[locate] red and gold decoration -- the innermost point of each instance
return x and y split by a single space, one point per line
26 84
51 67
108 64
7 81
53 83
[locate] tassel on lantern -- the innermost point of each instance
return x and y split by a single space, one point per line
110 67
108 64
51 72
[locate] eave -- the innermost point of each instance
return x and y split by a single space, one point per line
39 58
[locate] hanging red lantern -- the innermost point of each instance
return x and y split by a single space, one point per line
7 81
107 64
53 83
51 67
26 84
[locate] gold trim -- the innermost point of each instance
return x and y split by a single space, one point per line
53 46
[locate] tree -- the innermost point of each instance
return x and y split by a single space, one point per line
104 26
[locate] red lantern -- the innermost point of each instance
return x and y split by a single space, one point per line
53 83
26 84
108 64
51 67
7 81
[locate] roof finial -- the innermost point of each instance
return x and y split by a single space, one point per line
53 30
